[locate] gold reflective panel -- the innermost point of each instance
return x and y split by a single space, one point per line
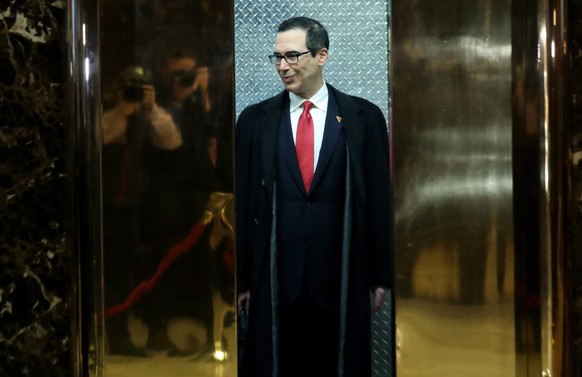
454 196
167 188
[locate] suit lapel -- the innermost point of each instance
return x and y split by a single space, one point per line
287 149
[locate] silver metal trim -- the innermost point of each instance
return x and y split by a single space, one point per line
545 197
85 169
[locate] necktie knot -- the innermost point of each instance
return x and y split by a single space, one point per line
307 106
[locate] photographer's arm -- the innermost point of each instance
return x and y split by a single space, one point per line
114 125
114 122
165 134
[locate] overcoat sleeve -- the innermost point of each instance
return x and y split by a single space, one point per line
379 214
243 157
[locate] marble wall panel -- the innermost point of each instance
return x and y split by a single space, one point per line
35 248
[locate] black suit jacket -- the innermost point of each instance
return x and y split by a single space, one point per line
370 258
310 224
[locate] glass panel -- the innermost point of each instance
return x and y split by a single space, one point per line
167 168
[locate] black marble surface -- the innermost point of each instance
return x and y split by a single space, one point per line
35 247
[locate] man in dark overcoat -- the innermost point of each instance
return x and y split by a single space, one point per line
314 218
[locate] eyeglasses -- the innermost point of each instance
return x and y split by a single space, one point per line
290 57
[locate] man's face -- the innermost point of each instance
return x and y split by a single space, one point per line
305 77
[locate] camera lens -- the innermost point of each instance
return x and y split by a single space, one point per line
133 93
187 78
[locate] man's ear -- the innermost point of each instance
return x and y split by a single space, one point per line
323 54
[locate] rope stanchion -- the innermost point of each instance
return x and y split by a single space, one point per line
146 286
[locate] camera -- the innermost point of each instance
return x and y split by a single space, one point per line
186 77
131 81
133 92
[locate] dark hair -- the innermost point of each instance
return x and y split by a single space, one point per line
181 54
317 37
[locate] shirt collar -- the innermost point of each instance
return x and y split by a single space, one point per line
319 99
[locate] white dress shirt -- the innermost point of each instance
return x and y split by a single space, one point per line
318 114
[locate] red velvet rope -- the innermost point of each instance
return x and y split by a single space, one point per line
146 286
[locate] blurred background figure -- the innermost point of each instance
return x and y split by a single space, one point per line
188 46
133 128
182 191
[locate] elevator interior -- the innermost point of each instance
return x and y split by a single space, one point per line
474 103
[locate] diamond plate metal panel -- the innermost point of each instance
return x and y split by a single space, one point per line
357 64
358 60
382 342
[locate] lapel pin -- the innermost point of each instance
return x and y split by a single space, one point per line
339 119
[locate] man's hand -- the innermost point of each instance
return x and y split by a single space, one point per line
125 109
201 82
244 299
114 122
149 98
380 296
199 85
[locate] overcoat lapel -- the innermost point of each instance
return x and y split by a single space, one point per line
352 120
269 124
352 126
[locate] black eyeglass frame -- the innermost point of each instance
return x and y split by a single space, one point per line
277 58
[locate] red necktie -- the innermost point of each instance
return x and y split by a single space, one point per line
304 145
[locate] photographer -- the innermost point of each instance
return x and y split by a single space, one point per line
189 177
182 78
135 129
184 92
135 97
186 95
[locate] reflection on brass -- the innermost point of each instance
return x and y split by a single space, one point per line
167 174
452 140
